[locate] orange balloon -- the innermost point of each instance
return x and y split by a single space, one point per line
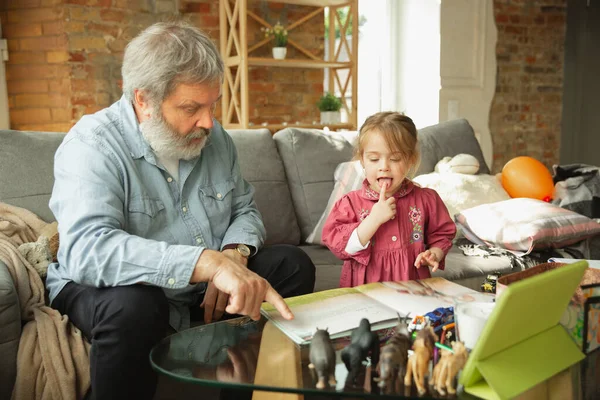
527 177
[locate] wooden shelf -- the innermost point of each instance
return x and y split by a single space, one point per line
315 3
341 62
287 63
295 63
276 127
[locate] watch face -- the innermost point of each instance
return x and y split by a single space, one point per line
243 250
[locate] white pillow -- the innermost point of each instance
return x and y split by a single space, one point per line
460 191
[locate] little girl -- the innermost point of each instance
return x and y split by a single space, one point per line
390 229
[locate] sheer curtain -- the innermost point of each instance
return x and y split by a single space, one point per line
4 124
399 59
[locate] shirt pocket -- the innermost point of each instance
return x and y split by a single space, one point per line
147 218
217 200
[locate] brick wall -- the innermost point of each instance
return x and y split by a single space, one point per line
36 73
525 117
65 58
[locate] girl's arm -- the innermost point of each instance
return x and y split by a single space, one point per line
342 221
382 211
440 229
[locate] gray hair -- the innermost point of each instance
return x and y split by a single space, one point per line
166 54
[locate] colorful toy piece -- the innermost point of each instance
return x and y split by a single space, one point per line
448 367
527 177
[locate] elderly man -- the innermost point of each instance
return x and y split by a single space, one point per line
155 219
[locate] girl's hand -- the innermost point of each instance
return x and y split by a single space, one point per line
428 258
385 209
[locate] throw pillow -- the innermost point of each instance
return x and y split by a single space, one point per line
461 191
348 176
521 225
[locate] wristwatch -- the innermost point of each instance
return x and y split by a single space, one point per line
241 248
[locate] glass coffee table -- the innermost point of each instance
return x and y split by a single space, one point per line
255 355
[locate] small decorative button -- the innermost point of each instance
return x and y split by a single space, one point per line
184 209
219 195
171 281
394 238
169 179
198 240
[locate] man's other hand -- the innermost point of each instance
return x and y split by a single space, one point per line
215 301
246 289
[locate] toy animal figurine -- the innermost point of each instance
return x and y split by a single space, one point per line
363 343
418 363
322 358
448 367
394 354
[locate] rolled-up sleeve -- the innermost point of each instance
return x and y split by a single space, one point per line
88 201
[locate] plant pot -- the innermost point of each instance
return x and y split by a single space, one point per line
330 117
279 52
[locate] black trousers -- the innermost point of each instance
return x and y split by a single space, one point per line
124 323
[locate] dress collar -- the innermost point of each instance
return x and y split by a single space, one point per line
405 188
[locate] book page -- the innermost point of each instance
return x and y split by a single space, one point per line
337 314
418 297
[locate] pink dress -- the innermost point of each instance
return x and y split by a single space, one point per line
421 221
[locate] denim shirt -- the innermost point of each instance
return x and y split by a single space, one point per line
123 220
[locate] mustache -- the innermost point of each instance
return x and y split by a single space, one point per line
199 134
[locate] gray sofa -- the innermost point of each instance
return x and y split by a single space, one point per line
292 172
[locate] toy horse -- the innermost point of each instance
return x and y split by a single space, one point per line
394 354
448 367
363 343
418 363
322 358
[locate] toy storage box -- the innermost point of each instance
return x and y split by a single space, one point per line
583 312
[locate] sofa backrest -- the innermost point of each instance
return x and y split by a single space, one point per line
27 169
448 139
310 157
261 165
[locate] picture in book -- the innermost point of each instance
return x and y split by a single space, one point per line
340 310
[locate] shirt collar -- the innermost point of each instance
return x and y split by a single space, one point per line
367 193
132 134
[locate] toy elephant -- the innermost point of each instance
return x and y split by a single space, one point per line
322 358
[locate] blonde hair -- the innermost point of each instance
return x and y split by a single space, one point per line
398 131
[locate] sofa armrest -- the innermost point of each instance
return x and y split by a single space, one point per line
10 332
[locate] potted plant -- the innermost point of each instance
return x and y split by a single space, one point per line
330 106
280 39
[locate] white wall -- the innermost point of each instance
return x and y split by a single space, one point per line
468 65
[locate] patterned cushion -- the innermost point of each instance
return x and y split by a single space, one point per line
521 225
348 176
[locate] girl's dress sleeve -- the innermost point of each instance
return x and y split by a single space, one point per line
341 222
440 230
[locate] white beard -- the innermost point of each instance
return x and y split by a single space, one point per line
165 141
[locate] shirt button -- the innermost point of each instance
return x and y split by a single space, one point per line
219 195
171 281
184 209
394 238
169 179
198 240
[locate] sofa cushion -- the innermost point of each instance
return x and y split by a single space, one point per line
27 165
448 139
10 331
262 167
310 157
328 267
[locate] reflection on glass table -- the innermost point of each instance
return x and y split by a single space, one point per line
245 354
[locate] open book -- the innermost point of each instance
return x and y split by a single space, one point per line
340 310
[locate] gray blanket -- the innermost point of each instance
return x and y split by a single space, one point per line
577 188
